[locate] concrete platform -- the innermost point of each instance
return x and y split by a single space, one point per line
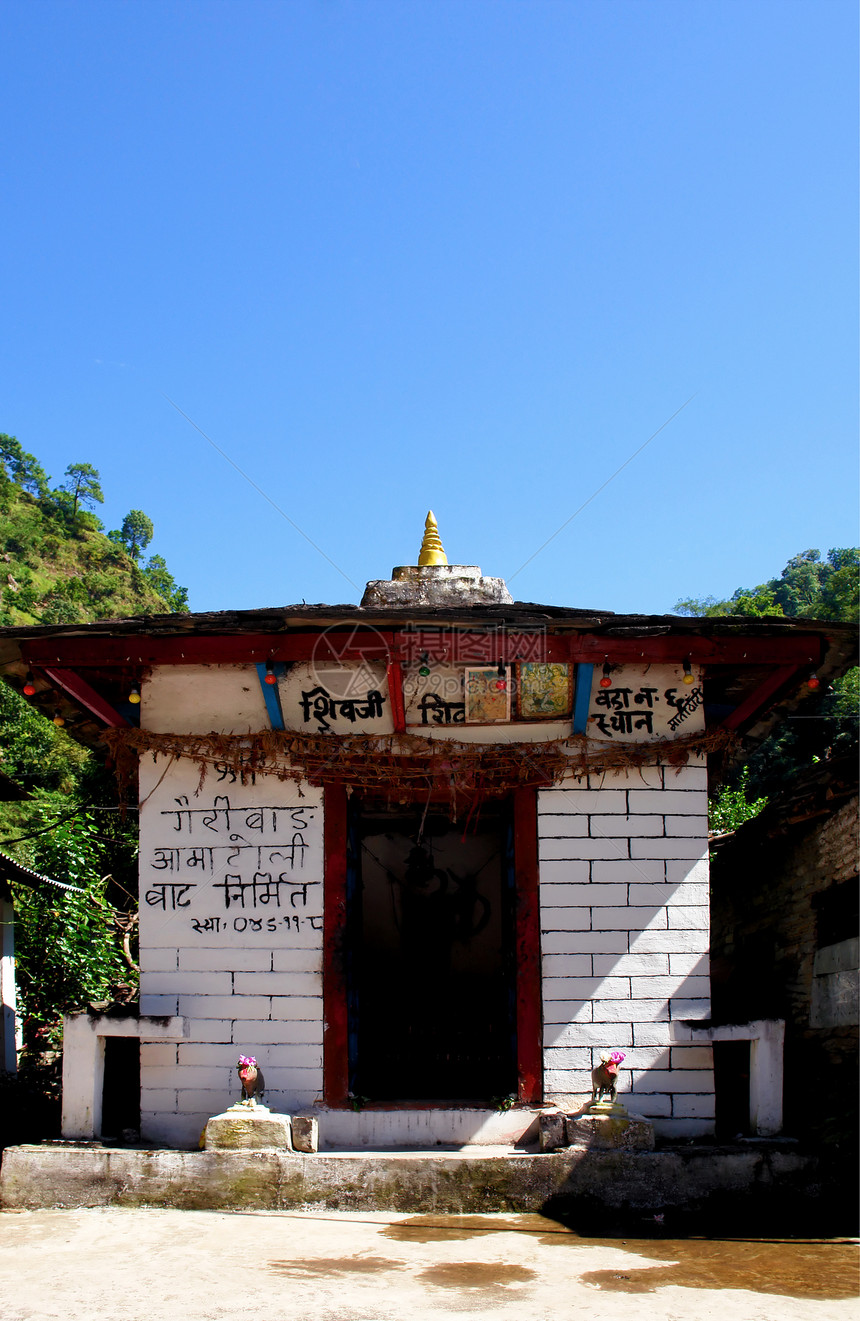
441 1182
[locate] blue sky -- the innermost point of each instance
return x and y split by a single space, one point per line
467 256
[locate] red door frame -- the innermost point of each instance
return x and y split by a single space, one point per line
527 923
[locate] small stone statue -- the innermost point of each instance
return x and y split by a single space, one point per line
605 1077
251 1079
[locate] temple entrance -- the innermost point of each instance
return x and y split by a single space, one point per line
431 969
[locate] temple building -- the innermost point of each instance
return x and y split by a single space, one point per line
425 858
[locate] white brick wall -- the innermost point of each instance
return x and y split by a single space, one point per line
624 940
250 982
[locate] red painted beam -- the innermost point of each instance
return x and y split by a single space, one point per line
761 696
452 646
395 693
791 648
335 1030
81 692
529 1043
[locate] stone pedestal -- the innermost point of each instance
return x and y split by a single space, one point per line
602 1127
610 1130
248 1128
435 585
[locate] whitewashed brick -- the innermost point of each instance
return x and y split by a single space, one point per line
297 960
566 965
687 825
213 1029
652 988
693 918
581 896
666 801
606 1036
559 1014
158 1004
279 1069
204 1102
628 869
583 800
668 848
645 1057
693 1107
200 1075
669 942
668 894
225 960
627 825
278 983
560 988
692 1057
673 1081
690 964
223 1006
210 1054
159 960
567 1082
582 848
640 777
289 1007
686 871
565 825
660 1034
631 965
629 1011
567 1057
280 1032
552 872
599 988
691 1009
686 777
186 983
653 1105
157 1054
600 942
627 919
154 1099
558 923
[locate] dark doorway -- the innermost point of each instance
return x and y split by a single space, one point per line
121 1091
732 1089
431 966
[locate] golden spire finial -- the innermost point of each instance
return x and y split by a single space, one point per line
432 551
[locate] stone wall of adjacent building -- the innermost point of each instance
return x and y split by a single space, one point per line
784 912
624 940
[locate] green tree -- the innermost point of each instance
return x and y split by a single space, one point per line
82 484
160 577
733 805
136 532
22 467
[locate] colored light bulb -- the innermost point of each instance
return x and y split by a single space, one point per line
813 682
606 682
29 688
270 678
134 696
424 671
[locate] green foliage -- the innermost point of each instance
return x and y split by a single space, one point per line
56 566
163 582
22 468
733 806
136 532
33 752
827 723
808 587
82 483
67 951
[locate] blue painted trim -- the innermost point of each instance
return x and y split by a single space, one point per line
271 695
582 700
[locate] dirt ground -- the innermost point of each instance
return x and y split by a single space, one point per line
151 1265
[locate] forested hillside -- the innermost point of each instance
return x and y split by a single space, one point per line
57 564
